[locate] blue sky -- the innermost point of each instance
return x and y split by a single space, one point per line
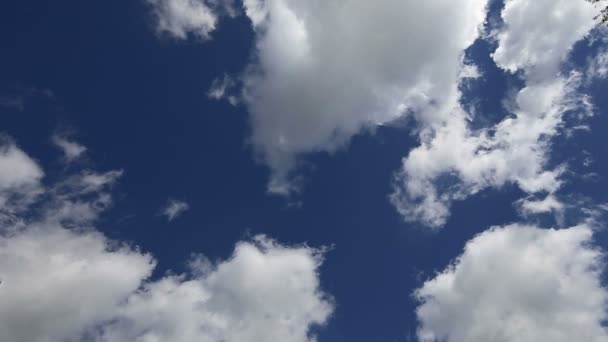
357 159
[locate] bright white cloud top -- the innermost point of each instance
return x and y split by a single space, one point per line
519 283
327 70
64 281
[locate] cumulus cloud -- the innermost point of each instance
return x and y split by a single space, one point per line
179 18
518 283
265 292
174 209
20 178
71 149
63 285
324 71
513 151
454 161
64 281
57 283
539 34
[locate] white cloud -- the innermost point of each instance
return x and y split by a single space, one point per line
179 18
598 66
513 151
20 177
539 206
325 71
265 292
518 283
61 285
79 199
540 33
63 281
454 161
57 283
222 88
71 150
174 209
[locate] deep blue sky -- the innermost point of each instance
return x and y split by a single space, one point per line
138 103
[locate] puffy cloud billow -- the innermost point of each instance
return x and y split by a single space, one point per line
61 280
454 161
19 178
324 71
183 18
519 283
513 151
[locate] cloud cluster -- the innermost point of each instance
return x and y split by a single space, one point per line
513 151
61 280
324 71
518 283
454 161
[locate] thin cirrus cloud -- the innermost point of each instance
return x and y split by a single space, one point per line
56 259
518 283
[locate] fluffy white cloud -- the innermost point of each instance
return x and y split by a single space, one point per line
518 283
179 18
540 33
71 149
454 161
63 281
174 209
325 71
57 283
61 285
513 151
265 292
19 177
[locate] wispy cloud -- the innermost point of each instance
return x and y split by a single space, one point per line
174 209
16 98
71 149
